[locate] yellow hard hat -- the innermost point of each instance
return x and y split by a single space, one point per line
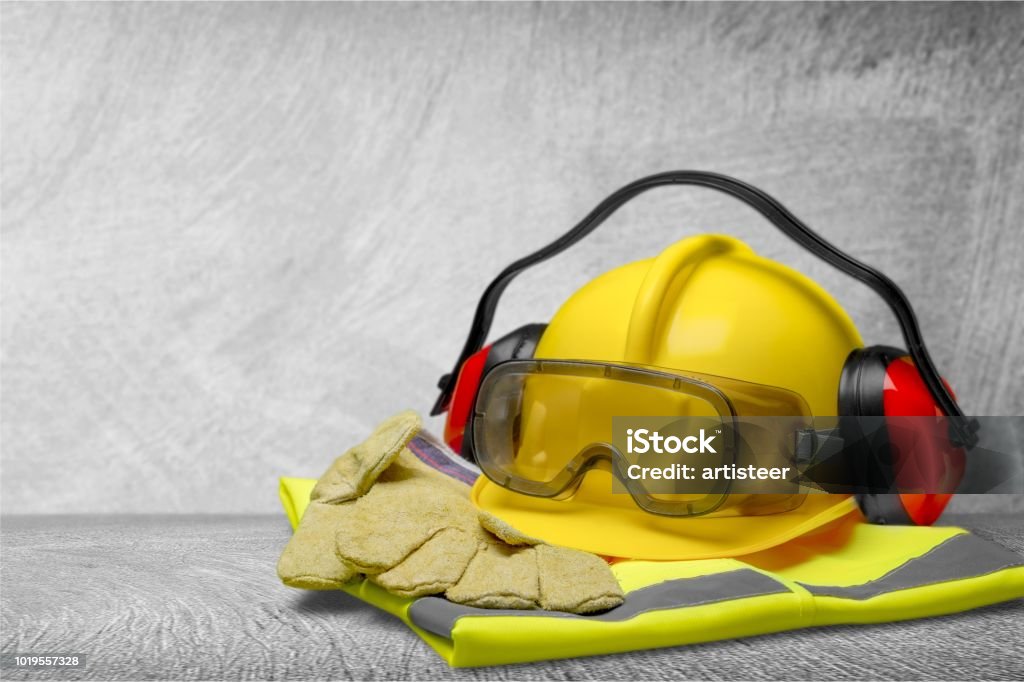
708 330
707 305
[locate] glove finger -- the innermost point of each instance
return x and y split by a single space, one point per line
504 531
574 581
352 474
499 577
309 560
391 521
433 567
408 467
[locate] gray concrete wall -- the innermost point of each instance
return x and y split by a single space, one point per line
236 236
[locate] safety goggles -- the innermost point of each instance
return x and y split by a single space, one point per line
540 426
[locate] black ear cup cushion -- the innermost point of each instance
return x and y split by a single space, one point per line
882 509
861 394
862 381
520 344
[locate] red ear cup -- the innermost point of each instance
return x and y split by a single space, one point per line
925 458
883 381
458 428
466 386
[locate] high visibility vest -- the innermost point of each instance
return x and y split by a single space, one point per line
849 572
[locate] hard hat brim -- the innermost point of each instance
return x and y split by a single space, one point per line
635 534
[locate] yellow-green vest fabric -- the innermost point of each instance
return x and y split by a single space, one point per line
850 572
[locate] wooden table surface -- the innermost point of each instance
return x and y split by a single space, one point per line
196 597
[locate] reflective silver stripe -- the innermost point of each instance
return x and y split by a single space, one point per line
961 556
438 615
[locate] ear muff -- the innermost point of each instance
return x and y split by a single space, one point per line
881 381
874 380
517 345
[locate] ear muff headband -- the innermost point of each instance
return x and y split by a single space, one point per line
963 431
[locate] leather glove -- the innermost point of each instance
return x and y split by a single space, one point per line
381 512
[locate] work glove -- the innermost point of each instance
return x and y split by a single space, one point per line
381 512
